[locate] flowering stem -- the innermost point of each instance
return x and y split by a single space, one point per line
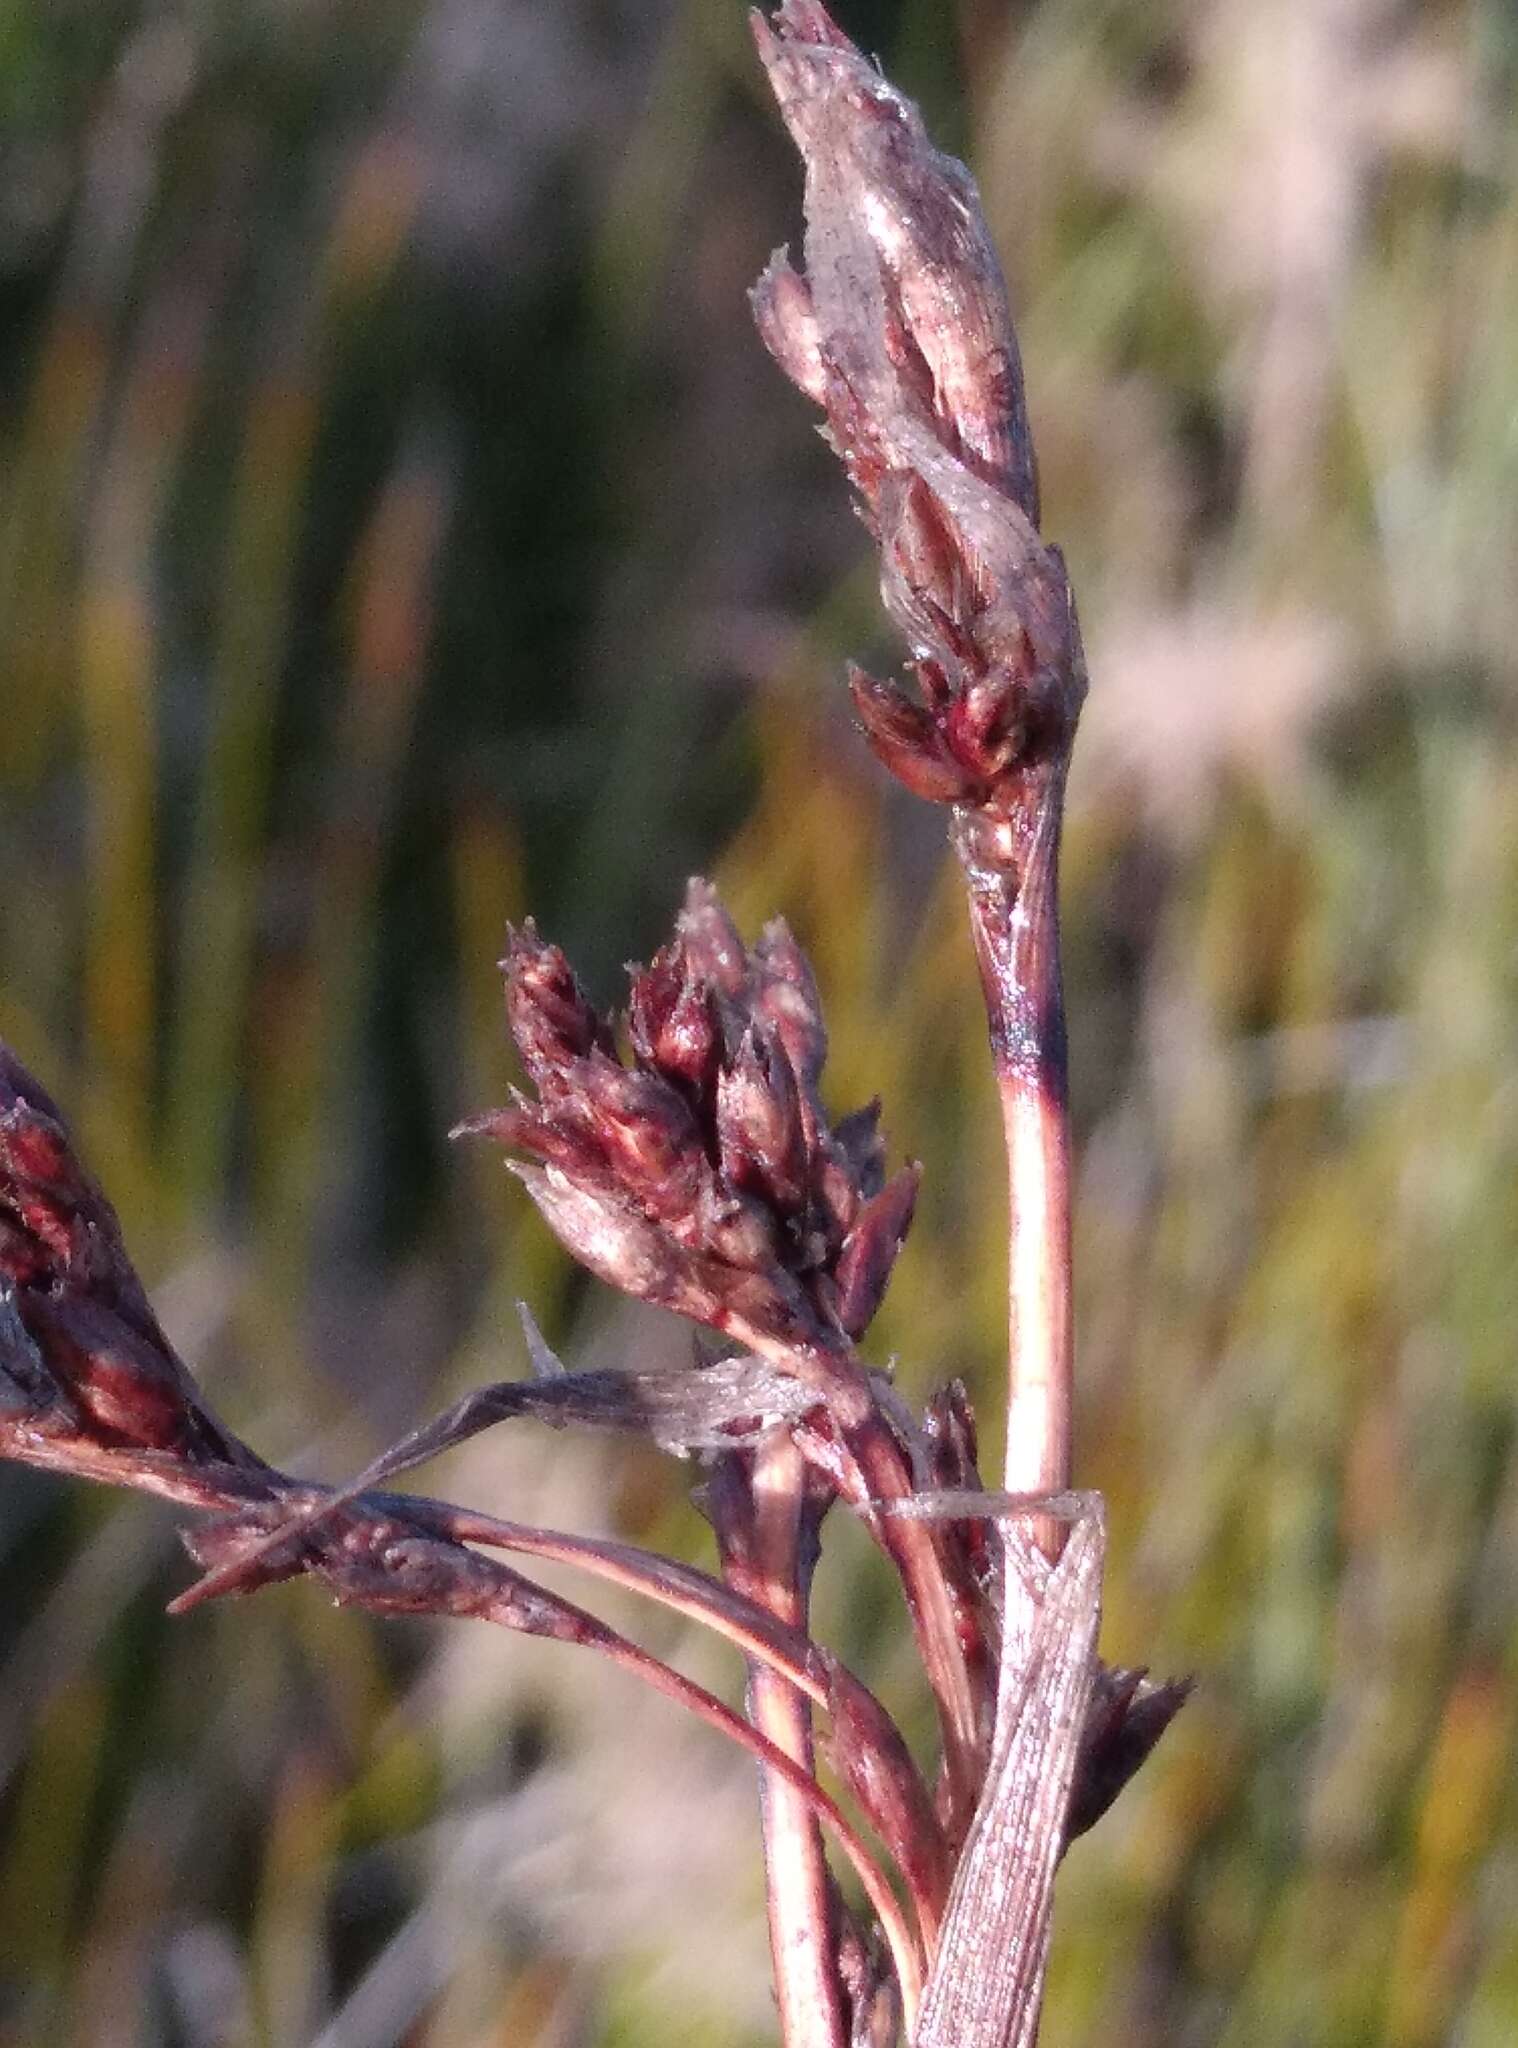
914 1549
1011 868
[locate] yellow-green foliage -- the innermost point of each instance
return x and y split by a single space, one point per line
400 529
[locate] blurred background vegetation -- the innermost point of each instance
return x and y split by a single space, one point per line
401 528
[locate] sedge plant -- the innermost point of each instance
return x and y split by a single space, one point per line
685 1154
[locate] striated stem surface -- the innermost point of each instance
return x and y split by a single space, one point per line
1011 869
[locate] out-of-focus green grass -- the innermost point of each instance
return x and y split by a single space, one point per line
400 528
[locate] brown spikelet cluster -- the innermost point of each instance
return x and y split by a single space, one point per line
899 328
83 1347
701 1172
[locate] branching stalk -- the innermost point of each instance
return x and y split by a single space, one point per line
915 1550
389 1556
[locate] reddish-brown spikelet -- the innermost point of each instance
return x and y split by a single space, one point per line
81 1328
704 1176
